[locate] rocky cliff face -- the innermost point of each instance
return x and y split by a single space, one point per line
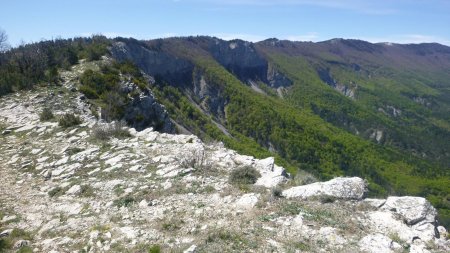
239 57
144 111
158 64
68 190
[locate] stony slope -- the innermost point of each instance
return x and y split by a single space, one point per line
65 190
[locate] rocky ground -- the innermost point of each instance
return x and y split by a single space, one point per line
86 188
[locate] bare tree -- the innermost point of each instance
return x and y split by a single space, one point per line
3 41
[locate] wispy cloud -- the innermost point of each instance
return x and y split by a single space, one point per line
313 36
408 39
242 36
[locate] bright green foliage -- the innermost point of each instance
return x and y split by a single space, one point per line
104 87
154 249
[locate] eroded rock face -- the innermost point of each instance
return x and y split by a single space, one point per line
154 62
412 209
271 174
341 188
144 111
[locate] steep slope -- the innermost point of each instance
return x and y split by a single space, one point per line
276 98
102 187
397 95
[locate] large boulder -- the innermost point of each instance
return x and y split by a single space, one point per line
271 174
412 209
341 188
378 243
410 218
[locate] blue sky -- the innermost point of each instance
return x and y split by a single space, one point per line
402 21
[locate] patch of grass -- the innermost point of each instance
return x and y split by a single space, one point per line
244 175
277 192
125 201
224 241
46 114
265 218
7 243
73 151
154 249
208 189
303 178
25 249
69 120
326 199
396 238
55 192
118 190
106 132
172 224
87 191
223 236
291 208
101 228
295 246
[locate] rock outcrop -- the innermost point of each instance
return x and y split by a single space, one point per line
144 111
341 188
412 209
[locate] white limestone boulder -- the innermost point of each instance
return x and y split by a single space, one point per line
341 187
412 209
247 201
271 174
378 243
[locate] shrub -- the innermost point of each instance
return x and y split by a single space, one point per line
244 175
46 114
124 201
277 192
154 249
69 120
88 92
87 191
53 75
105 132
55 192
172 224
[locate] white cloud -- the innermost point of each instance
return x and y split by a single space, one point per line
255 38
313 36
408 39
242 36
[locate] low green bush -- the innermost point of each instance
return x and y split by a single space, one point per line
46 114
244 175
69 120
154 249
108 131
